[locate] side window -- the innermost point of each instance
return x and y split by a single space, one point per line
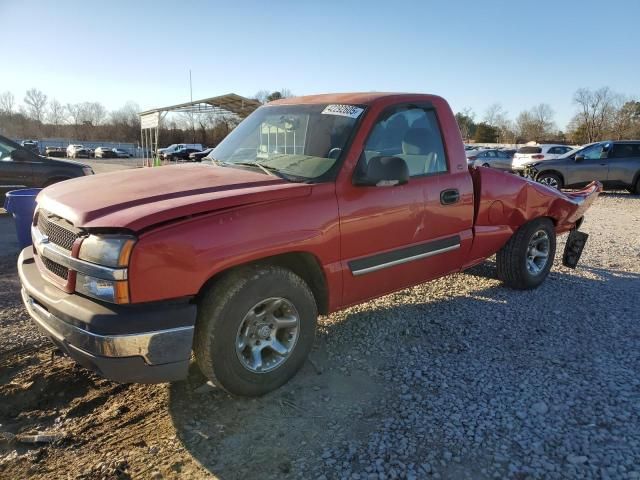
623 150
593 152
410 133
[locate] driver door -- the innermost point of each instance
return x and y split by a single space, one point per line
397 236
594 166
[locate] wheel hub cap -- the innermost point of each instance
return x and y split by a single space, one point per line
267 335
538 252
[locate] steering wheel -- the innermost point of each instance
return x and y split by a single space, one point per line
334 153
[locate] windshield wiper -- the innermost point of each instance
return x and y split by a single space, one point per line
268 170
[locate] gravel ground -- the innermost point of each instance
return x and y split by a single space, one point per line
458 378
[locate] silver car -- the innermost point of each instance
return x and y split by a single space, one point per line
491 158
614 163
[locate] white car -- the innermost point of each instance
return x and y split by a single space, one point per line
537 153
77 151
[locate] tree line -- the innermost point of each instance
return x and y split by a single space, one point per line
39 117
600 114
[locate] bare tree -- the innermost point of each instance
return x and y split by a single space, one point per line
36 102
56 114
595 111
94 113
536 124
7 102
495 115
76 112
261 96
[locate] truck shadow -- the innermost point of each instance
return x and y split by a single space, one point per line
338 398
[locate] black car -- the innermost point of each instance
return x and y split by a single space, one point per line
198 156
614 163
55 152
22 168
182 154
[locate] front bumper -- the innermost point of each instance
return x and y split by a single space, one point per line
147 343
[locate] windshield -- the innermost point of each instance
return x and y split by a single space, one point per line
302 141
5 150
571 153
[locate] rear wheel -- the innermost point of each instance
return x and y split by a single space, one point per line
254 330
526 259
486 165
551 180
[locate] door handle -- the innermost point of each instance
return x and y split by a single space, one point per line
450 196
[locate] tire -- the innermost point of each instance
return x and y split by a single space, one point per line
486 165
636 190
551 180
225 318
513 260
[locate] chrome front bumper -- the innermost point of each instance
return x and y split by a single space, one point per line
162 346
147 343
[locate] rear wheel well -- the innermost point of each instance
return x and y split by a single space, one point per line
303 264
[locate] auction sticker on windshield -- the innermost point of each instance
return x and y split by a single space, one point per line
343 110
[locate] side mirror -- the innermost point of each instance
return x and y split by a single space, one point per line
578 158
384 172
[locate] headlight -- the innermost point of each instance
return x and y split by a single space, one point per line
107 250
113 251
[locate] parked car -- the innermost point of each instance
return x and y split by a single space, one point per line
22 168
164 153
105 152
235 259
32 145
616 164
55 152
491 158
537 153
120 153
78 151
199 156
180 154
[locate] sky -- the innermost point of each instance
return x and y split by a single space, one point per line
473 53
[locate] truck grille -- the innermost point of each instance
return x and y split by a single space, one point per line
59 231
55 268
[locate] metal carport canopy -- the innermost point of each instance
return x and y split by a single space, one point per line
223 105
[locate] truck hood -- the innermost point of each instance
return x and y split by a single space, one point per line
137 199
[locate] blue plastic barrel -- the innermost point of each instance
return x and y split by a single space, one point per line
21 204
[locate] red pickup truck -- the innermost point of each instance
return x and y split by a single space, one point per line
310 205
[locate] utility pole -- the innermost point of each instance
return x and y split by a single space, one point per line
193 127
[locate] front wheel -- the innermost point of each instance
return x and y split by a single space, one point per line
254 330
551 180
526 259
